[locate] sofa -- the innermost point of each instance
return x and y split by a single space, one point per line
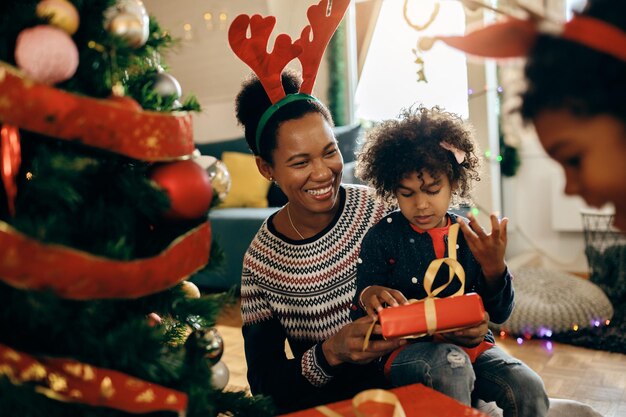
234 227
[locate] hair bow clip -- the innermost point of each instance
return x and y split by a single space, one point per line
459 155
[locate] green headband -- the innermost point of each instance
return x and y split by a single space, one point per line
289 98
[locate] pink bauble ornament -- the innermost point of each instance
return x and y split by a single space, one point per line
188 187
46 54
154 319
62 14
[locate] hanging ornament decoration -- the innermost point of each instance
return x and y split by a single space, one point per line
210 342
129 20
218 175
165 85
220 376
10 160
190 289
188 187
417 51
46 54
154 320
61 14
207 342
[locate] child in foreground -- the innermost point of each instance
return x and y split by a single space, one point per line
424 161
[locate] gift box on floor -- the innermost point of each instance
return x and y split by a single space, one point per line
432 315
414 400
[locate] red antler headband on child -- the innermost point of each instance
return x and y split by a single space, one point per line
515 37
268 67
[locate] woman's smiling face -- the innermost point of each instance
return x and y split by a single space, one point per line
307 163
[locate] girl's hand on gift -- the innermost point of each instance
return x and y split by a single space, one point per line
347 344
469 336
488 249
373 297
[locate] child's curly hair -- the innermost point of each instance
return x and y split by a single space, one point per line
397 148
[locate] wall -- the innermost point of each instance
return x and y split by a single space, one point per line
205 65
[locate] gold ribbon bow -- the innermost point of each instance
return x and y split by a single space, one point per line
455 268
373 395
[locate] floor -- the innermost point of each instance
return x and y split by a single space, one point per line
593 377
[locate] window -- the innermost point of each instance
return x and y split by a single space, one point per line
388 80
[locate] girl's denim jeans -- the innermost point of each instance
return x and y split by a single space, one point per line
494 376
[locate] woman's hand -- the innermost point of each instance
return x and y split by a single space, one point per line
488 249
469 336
347 344
373 297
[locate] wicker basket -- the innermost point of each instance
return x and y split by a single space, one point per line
599 234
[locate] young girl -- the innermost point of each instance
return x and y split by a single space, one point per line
423 161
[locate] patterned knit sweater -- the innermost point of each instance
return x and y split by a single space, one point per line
300 291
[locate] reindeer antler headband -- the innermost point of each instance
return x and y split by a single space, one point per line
309 48
515 37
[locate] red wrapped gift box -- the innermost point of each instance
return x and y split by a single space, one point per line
432 315
416 400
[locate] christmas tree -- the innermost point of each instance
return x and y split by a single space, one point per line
103 216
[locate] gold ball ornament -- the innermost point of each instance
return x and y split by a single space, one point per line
218 175
190 289
426 43
61 14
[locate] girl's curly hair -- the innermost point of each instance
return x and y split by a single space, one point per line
398 147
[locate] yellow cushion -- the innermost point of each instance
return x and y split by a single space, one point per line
248 187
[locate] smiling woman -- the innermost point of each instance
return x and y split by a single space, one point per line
298 273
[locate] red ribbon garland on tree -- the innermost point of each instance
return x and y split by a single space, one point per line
27 263
71 381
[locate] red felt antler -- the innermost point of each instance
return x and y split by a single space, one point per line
253 51
323 24
515 37
506 39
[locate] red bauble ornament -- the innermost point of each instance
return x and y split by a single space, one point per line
188 187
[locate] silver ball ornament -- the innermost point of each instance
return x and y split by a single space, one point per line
220 375
218 175
129 20
165 85
129 28
211 343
